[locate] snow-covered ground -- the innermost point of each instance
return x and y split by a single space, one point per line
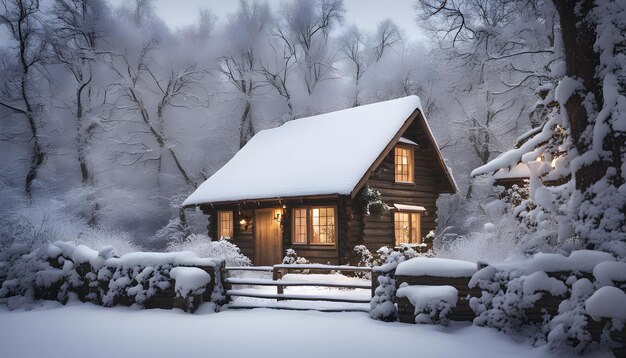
82 329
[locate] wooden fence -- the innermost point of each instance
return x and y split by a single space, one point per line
279 271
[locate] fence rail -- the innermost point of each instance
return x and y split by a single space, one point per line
278 271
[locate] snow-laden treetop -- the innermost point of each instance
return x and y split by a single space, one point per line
319 155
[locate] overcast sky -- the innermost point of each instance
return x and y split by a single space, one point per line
364 13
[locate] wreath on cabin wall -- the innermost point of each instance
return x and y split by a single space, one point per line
372 202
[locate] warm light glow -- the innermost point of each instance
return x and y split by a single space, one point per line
538 159
404 165
277 214
242 221
553 163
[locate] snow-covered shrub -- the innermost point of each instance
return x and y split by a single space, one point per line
491 245
386 254
383 304
372 202
432 304
203 246
30 225
292 258
521 294
366 259
567 330
60 270
191 283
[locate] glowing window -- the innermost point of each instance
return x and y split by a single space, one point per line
407 228
225 224
314 225
404 164
299 226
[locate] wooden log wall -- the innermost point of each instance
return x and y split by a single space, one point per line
429 182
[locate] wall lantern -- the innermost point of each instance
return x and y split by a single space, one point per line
277 216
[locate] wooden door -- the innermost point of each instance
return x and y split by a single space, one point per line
268 237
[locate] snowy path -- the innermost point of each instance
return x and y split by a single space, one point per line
85 330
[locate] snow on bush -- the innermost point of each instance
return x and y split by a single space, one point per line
567 330
372 202
383 304
510 290
610 273
61 270
30 225
609 302
432 304
190 282
385 254
203 246
496 241
292 258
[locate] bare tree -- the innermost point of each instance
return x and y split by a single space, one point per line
77 29
306 26
130 76
21 18
352 44
363 52
241 65
387 35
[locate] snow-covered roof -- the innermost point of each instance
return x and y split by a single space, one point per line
518 171
320 155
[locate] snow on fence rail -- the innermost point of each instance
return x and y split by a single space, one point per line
278 271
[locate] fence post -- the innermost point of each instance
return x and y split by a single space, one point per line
277 274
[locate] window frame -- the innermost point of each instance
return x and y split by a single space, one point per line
220 223
418 230
411 163
309 225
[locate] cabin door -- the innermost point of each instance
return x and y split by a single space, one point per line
268 237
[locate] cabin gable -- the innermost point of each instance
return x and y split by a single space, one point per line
424 190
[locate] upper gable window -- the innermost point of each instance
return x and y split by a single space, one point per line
404 164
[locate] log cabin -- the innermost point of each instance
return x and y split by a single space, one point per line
298 185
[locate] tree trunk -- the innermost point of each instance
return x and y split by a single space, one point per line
579 31
246 127
581 62
39 155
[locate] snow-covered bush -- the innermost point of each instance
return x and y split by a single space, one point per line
386 254
29 225
203 246
383 304
372 202
521 296
191 283
62 270
568 330
432 304
292 258
366 259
